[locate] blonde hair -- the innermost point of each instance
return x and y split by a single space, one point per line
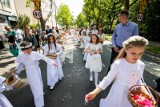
134 41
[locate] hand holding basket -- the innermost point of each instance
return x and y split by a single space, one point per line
138 98
52 56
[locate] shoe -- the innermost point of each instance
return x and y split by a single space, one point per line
155 81
96 84
51 87
91 79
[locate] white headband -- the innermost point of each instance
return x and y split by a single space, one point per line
24 47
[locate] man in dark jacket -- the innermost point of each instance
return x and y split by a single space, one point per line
48 30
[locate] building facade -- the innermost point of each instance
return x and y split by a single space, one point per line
23 9
10 9
8 14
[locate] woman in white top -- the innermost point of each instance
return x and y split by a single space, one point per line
95 31
94 61
3 100
101 35
53 49
126 71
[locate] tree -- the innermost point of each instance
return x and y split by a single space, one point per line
81 20
150 25
28 2
102 12
23 20
129 3
64 16
42 21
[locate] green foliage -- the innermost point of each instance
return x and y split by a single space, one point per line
34 26
108 37
81 20
23 20
150 26
28 2
102 12
64 16
153 49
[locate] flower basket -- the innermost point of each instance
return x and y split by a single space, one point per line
138 98
100 40
52 56
14 82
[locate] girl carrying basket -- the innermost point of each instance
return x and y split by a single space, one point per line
127 70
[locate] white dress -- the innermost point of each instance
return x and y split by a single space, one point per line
83 42
94 62
125 75
3 100
33 73
62 55
87 40
54 74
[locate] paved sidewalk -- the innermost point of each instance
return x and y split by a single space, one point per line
6 61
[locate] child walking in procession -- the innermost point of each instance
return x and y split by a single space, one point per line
30 59
53 50
62 54
94 62
3 100
126 71
87 41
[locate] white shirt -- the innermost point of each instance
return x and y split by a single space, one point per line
19 33
94 31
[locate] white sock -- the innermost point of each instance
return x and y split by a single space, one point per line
96 78
91 76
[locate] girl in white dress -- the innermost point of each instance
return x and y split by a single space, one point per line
62 55
3 100
94 62
127 70
87 41
29 59
53 74
83 37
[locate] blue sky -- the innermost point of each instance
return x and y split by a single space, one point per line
74 5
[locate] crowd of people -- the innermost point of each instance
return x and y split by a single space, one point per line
125 69
29 47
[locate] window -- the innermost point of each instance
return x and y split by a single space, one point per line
6 3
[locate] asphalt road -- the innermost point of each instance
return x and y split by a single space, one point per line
71 90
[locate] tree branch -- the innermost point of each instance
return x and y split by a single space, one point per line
133 2
47 17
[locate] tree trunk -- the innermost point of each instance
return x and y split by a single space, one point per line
112 21
42 24
126 5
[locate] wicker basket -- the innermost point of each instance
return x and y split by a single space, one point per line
14 82
100 40
53 56
137 91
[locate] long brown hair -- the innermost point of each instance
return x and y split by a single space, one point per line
134 41
51 36
97 38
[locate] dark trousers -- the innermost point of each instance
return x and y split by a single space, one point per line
113 56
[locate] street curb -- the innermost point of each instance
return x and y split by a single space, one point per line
153 54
